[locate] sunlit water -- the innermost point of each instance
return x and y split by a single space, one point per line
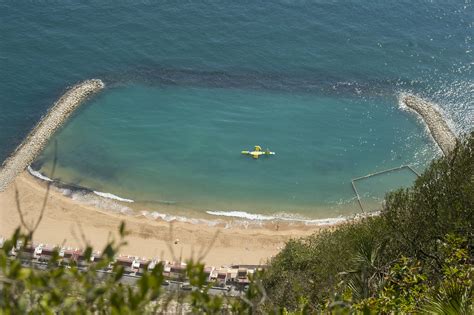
190 85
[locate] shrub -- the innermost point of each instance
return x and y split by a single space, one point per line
391 263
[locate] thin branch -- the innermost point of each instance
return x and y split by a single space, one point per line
205 250
48 186
18 208
83 235
169 243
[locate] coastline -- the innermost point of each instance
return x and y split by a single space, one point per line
35 141
76 214
67 221
171 212
70 216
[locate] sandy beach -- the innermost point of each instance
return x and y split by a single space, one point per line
74 223
70 222
64 219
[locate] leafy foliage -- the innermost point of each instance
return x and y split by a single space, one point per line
417 256
73 289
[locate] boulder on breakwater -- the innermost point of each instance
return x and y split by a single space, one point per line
36 140
433 119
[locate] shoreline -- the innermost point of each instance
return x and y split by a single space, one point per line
39 136
433 120
68 221
81 216
227 218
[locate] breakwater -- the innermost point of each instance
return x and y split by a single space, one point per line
433 119
29 149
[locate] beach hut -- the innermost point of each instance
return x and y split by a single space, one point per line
154 262
242 276
213 277
232 274
126 262
222 278
47 253
178 272
96 257
68 256
208 273
81 259
143 265
166 270
13 252
38 251
135 267
27 252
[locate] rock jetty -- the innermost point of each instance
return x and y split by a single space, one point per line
436 123
36 140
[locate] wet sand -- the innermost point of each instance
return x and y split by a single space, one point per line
64 219
75 223
67 221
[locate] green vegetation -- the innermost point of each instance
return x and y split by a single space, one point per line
416 257
73 289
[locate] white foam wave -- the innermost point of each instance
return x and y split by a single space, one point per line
96 201
38 175
242 215
281 217
112 196
447 117
426 130
170 218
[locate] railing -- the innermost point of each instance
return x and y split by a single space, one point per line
375 174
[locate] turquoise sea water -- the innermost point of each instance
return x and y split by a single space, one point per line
191 84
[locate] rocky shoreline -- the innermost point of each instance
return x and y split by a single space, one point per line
36 140
436 123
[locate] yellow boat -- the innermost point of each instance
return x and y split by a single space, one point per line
257 152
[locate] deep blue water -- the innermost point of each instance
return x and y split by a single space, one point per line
190 84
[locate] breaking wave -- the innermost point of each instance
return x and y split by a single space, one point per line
107 201
112 196
282 217
85 197
170 218
38 175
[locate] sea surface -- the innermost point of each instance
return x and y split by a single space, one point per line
190 84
